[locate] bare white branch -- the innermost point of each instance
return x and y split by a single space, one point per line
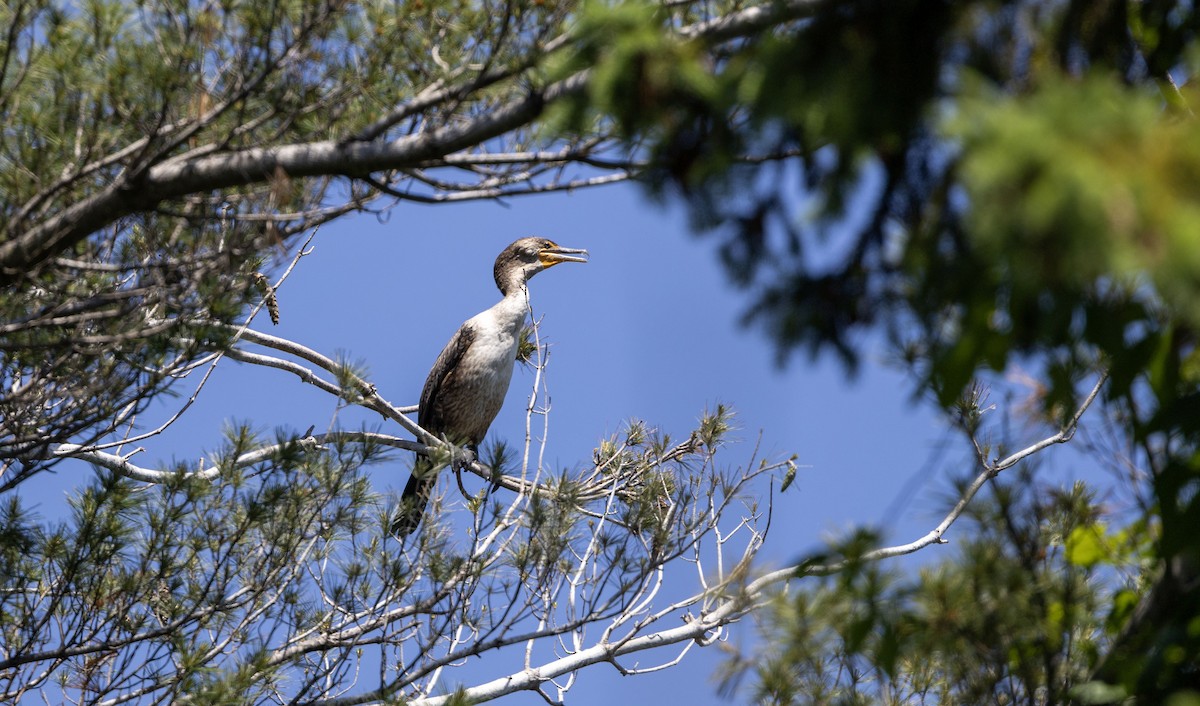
989 471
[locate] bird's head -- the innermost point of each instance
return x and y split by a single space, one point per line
529 256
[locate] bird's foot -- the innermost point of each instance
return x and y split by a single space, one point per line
462 457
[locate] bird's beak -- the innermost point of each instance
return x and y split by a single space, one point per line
555 255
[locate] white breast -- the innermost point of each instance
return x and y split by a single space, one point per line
486 369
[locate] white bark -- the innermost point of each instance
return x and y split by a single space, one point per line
202 171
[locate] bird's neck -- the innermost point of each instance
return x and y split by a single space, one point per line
510 311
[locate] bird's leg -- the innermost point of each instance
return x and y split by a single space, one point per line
461 457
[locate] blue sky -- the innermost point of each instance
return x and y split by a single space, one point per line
648 329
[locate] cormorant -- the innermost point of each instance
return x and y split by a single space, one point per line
468 382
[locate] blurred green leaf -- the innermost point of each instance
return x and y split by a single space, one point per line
1086 545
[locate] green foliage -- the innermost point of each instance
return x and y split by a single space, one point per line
854 80
715 425
1085 545
98 95
1096 692
988 183
1005 619
638 71
1088 199
661 93
183 570
965 157
352 379
527 347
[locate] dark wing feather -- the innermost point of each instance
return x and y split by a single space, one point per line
431 418
430 415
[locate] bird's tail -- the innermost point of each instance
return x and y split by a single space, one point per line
415 497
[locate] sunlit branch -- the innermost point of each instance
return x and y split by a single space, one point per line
733 597
122 465
301 252
181 175
990 471
751 19
522 188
